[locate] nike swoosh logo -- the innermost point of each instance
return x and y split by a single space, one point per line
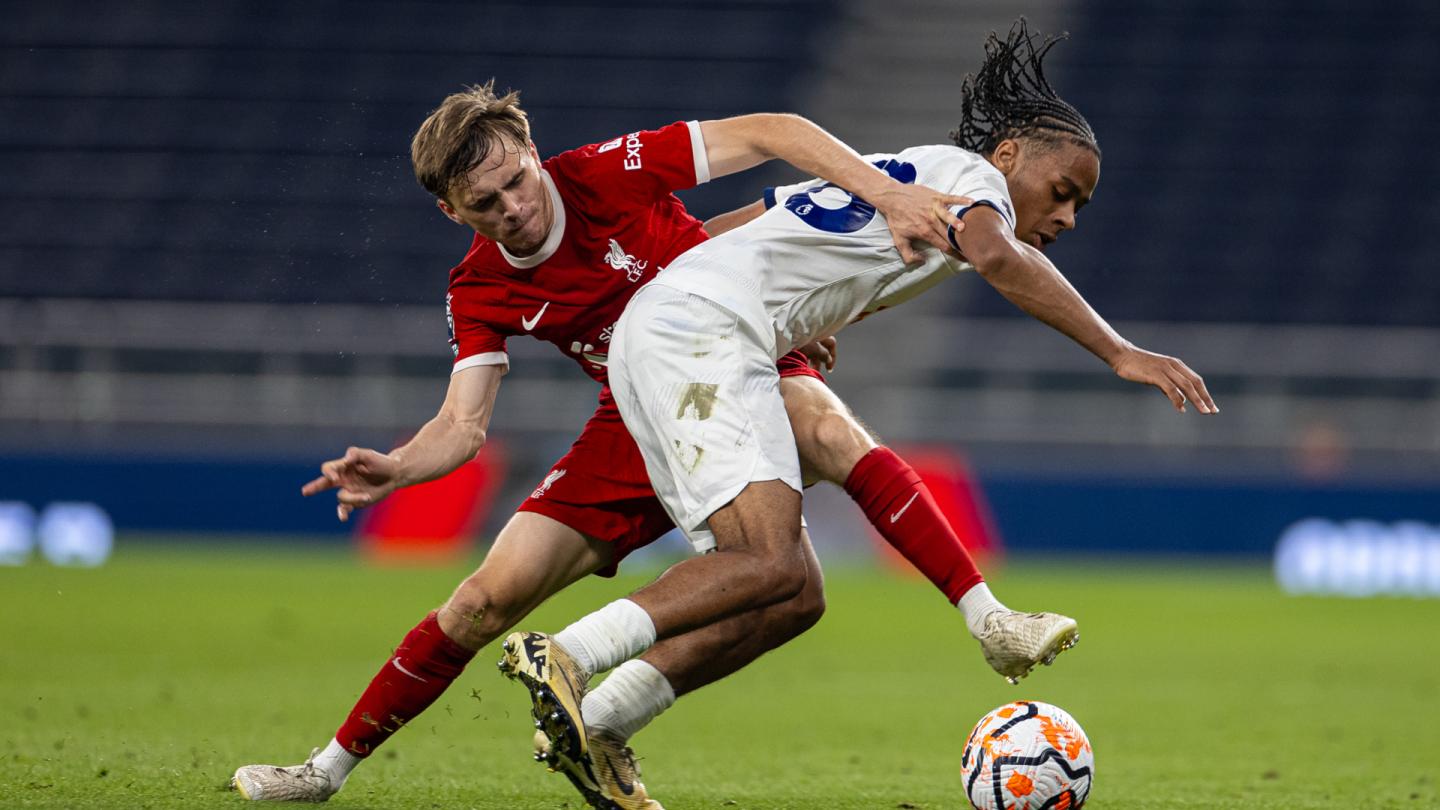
897 515
401 667
529 323
625 787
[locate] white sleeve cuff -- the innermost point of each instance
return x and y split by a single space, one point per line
485 359
697 147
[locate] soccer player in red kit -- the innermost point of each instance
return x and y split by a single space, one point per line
560 247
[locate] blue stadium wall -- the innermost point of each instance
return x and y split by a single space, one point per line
154 497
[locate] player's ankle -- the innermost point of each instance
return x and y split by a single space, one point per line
634 694
976 604
337 763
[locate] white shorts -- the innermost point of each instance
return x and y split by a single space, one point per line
698 390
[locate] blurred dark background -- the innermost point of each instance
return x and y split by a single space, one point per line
216 269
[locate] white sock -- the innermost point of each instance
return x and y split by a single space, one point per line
628 700
337 762
975 605
617 632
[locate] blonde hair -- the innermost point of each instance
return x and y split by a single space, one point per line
459 133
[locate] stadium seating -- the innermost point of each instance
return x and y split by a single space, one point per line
1264 162
243 150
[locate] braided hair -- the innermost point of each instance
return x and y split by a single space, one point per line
1010 97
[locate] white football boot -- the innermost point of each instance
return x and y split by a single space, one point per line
1015 643
293 783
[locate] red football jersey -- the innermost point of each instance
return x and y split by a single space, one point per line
617 223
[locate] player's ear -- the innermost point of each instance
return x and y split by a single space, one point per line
448 211
1006 156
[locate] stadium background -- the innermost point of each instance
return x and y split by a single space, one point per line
216 269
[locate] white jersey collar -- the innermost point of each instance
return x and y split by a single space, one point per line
552 241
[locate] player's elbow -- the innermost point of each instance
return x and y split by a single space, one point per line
475 438
994 259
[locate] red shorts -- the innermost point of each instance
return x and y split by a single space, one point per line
600 488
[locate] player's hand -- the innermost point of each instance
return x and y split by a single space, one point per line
361 477
1174 379
919 214
822 353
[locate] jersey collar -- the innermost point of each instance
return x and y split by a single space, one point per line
552 241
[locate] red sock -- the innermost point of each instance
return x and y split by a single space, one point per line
900 507
420 670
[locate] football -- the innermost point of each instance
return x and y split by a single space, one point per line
1027 755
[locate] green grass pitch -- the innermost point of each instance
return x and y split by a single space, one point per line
145 683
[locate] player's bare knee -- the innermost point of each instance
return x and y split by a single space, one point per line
833 443
809 606
477 613
782 575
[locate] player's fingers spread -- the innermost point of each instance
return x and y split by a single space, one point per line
352 498
342 512
318 485
946 216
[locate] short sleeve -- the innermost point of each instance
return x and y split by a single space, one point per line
472 341
777 195
985 186
649 163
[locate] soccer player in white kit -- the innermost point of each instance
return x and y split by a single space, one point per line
692 362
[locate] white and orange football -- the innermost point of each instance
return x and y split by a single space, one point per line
1027 755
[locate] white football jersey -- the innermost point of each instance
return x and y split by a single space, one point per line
821 259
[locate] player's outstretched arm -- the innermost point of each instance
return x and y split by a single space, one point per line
1024 276
363 476
914 213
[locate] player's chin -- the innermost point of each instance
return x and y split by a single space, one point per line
523 238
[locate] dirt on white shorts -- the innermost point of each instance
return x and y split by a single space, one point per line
697 387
